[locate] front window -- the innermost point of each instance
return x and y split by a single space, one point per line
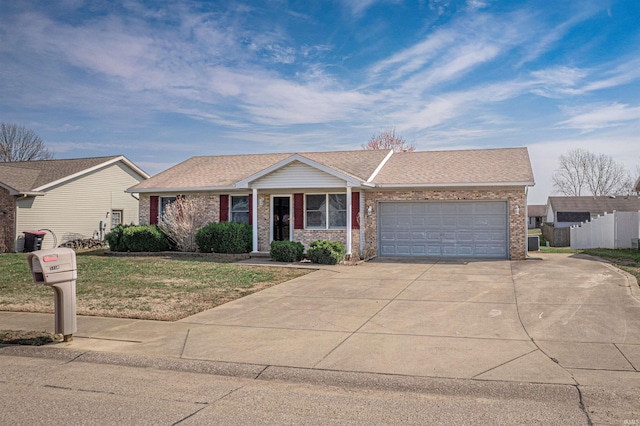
240 209
164 202
319 207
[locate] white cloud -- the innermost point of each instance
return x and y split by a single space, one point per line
593 117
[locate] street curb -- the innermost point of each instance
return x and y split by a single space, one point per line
342 379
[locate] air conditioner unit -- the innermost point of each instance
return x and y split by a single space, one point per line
635 243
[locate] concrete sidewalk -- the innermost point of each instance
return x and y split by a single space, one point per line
564 319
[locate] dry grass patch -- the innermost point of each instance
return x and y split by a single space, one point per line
158 288
626 259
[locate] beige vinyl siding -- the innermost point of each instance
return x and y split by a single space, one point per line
296 175
75 208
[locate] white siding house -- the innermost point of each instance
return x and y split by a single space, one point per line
81 198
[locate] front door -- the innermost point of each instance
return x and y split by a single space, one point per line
281 216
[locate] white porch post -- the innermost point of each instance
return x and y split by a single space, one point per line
254 220
349 224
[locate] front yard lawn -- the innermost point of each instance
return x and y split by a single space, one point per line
157 288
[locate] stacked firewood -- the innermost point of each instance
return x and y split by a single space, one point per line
85 243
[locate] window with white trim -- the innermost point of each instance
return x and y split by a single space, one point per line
239 207
116 218
319 207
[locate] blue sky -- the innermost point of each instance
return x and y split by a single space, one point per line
162 81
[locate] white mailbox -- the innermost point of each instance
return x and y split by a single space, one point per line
57 268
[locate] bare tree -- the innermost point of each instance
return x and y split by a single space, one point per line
388 139
18 143
181 221
584 173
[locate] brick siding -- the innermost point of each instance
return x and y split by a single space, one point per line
514 195
7 221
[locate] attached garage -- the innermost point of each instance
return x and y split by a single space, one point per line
478 229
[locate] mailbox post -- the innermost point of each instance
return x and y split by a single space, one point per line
57 268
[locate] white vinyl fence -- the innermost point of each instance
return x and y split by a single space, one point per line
613 230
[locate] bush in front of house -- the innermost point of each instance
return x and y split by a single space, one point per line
145 238
286 251
326 252
225 237
115 238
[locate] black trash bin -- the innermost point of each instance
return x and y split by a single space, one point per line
33 240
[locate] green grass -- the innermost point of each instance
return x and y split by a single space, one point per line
544 249
626 259
161 288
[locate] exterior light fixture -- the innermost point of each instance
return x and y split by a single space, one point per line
516 209
369 211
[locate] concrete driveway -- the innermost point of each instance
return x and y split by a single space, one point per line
533 321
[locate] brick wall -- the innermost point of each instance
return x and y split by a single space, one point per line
212 206
307 236
7 221
514 195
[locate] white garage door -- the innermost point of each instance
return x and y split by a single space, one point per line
447 229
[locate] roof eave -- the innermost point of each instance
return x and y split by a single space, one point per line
134 190
453 184
91 169
30 193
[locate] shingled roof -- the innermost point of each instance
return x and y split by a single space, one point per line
466 167
32 176
224 171
510 166
595 205
536 210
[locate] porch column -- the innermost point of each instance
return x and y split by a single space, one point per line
349 224
255 220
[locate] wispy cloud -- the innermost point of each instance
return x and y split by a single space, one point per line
593 117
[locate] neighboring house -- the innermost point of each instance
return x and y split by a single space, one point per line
536 215
637 187
567 211
70 199
378 203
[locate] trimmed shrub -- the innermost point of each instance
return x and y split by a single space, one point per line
326 252
286 251
225 237
145 238
115 240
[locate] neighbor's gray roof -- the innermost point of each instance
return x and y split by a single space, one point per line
223 171
464 167
28 176
595 205
536 210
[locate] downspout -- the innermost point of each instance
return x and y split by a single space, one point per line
526 222
363 220
254 213
349 224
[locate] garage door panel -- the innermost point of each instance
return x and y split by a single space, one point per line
418 236
446 229
490 208
433 250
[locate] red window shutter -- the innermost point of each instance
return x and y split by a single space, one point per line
153 210
355 210
250 209
298 211
224 208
